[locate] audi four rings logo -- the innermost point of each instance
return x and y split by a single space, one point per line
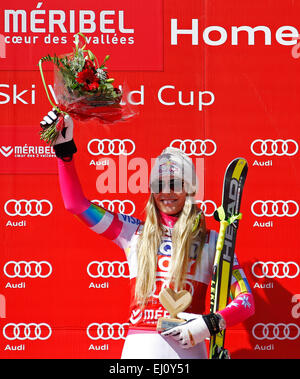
30 331
106 269
271 208
106 331
120 206
279 331
277 147
208 207
111 147
28 207
23 269
278 270
195 147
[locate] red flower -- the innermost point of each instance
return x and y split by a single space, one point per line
89 64
88 78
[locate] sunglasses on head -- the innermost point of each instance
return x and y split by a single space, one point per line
175 185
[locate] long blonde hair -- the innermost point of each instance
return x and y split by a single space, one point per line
182 238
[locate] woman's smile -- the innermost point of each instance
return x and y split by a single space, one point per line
170 203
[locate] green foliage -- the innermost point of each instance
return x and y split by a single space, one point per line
70 66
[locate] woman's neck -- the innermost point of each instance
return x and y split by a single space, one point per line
168 220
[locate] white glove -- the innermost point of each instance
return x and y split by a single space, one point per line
67 132
191 332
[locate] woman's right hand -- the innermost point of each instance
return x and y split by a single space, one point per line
64 145
66 134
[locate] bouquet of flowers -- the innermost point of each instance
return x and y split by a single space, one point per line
83 89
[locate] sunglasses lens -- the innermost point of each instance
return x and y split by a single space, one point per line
175 185
161 185
157 186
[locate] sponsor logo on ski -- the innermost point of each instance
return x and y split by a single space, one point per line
278 208
278 270
278 331
195 147
278 147
107 331
31 331
233 190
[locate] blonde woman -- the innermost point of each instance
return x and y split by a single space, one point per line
164 251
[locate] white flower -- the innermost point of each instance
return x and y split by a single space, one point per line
101 74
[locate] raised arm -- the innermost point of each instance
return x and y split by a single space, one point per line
70 187
116 227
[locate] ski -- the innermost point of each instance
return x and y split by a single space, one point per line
228 214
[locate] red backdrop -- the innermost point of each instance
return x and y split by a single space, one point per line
52 296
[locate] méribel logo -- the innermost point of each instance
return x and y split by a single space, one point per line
6 151
22 152
119 28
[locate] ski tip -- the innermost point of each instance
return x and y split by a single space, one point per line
237 166
241 159
240 167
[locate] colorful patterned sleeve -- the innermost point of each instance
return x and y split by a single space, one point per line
242 305
116 227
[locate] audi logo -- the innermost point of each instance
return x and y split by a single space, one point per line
195 147
279 331
23 269
277 147
28 207
111 147
208 207
279 208
106 269
120 206
278 270
30 331
106 331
